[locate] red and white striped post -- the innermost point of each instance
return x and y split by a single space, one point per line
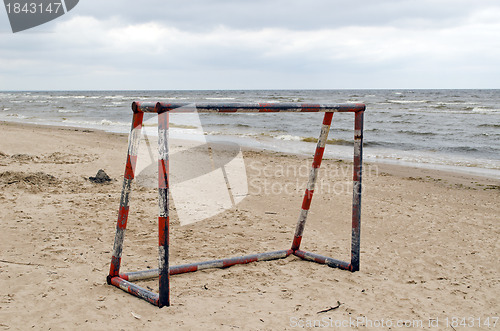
313 175
121 225
163 217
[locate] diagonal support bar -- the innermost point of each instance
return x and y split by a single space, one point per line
356 208
313 176
128 177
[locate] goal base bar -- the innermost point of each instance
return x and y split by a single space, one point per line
332 263
140 292
124 280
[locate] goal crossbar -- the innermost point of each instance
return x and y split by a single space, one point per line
125 281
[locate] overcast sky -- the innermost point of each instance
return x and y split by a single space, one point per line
257 44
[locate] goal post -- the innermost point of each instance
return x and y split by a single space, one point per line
161 299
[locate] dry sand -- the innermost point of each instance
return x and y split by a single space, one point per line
430 247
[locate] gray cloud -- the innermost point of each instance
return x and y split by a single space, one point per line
289 14
123 44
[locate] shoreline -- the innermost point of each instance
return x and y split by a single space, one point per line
392 135
452 175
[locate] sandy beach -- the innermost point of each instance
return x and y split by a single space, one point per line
429 245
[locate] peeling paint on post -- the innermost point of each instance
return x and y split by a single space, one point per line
163 216
356 198
128 177
313 175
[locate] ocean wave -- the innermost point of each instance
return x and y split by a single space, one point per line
342 142
399 122
433 160
485 110
103 122
181 126
64 110
408 101
489 125
288 137
442 105
70 97
238 125
16 117
108 122
416 133
461 149
212 133
470 110
485 134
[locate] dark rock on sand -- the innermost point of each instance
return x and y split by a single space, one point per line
100 178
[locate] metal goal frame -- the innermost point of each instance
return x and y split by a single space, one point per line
125 281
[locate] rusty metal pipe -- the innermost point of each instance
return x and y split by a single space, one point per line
356 196
313 175
159 107
121 224
333 263
136 290
163 214
222 263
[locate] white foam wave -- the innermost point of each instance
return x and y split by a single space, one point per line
104 122
15 115
71 97
408 101
288 137
484 110
67 111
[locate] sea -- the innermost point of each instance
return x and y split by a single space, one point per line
456 130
